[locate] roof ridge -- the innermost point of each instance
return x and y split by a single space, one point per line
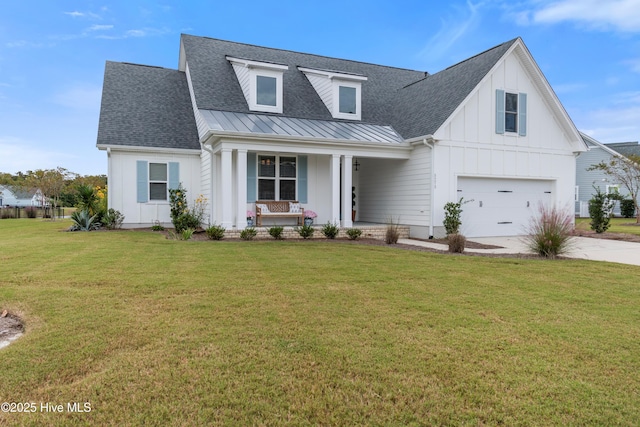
480 54
303 53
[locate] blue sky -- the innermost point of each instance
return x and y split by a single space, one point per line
52 55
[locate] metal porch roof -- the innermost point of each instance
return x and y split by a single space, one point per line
305 128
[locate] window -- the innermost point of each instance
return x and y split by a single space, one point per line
341 92
347 99
511 113
157 181
576 196
261 83
613 189
277 177
266 93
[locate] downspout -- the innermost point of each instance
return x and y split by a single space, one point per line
109 192
429 141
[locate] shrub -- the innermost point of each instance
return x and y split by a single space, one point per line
248 233
83 222
354 233
456 242
87 199
330 231
452 212
8 213
627 208
276 232
112 219
600 209
31 211
392 234
306 231
187 233
549 233
181 216
157 226
184 221
215 232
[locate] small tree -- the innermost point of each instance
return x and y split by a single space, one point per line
626 171
452 212
600 209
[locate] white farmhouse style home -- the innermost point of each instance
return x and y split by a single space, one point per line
240 123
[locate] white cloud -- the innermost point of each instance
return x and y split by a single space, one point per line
78 14
136 33
620 15
451 30
100 27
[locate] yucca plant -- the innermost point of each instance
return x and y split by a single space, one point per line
82 221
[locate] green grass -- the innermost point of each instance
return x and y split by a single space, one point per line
160 332
617 225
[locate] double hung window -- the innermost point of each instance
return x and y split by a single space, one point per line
277 177
158 181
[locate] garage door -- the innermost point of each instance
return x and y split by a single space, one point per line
500 207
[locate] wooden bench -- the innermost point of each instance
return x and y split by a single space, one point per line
277 209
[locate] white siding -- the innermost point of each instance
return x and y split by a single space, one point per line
398 189
201 124
244 78
122 185
323 86
469 146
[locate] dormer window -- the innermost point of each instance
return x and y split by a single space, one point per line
261 83
340 92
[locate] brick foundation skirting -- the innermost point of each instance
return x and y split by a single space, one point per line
368 232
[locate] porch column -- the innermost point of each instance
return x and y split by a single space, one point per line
347 180
226 185
241 182
335 189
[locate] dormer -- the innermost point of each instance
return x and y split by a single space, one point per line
261 83
341 92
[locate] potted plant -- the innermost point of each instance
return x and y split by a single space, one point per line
250 216
309 216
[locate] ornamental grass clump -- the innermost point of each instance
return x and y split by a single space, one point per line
456 243
549 233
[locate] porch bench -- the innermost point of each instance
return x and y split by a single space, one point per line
277 209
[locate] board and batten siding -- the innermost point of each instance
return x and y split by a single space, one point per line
468 144
122 186
398 190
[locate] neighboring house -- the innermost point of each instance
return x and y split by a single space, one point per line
14 196
239 123
626 148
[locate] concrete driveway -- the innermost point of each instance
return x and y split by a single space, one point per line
582 248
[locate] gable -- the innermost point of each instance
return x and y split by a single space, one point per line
547 126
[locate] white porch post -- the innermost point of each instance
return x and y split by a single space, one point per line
226 185
335 188
241 181
347 179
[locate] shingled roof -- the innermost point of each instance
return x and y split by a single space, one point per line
625 148
146 106
151 107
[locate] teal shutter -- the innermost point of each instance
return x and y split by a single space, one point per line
174 175
499 111
302 179
142 173
522 114
252 180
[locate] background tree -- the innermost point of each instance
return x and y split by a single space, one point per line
626 171
50 182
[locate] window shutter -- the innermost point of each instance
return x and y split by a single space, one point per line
499 111
142 172
174 175
522 114
302 179
251 177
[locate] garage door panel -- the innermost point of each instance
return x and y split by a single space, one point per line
500 207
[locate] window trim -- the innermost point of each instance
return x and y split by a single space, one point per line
150 182
253 90
521 115
515 113
337 83
332 98
277 178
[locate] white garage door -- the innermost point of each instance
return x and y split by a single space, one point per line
500 207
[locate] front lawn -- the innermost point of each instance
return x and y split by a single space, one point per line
617 225
150 331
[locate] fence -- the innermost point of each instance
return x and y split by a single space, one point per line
11 212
